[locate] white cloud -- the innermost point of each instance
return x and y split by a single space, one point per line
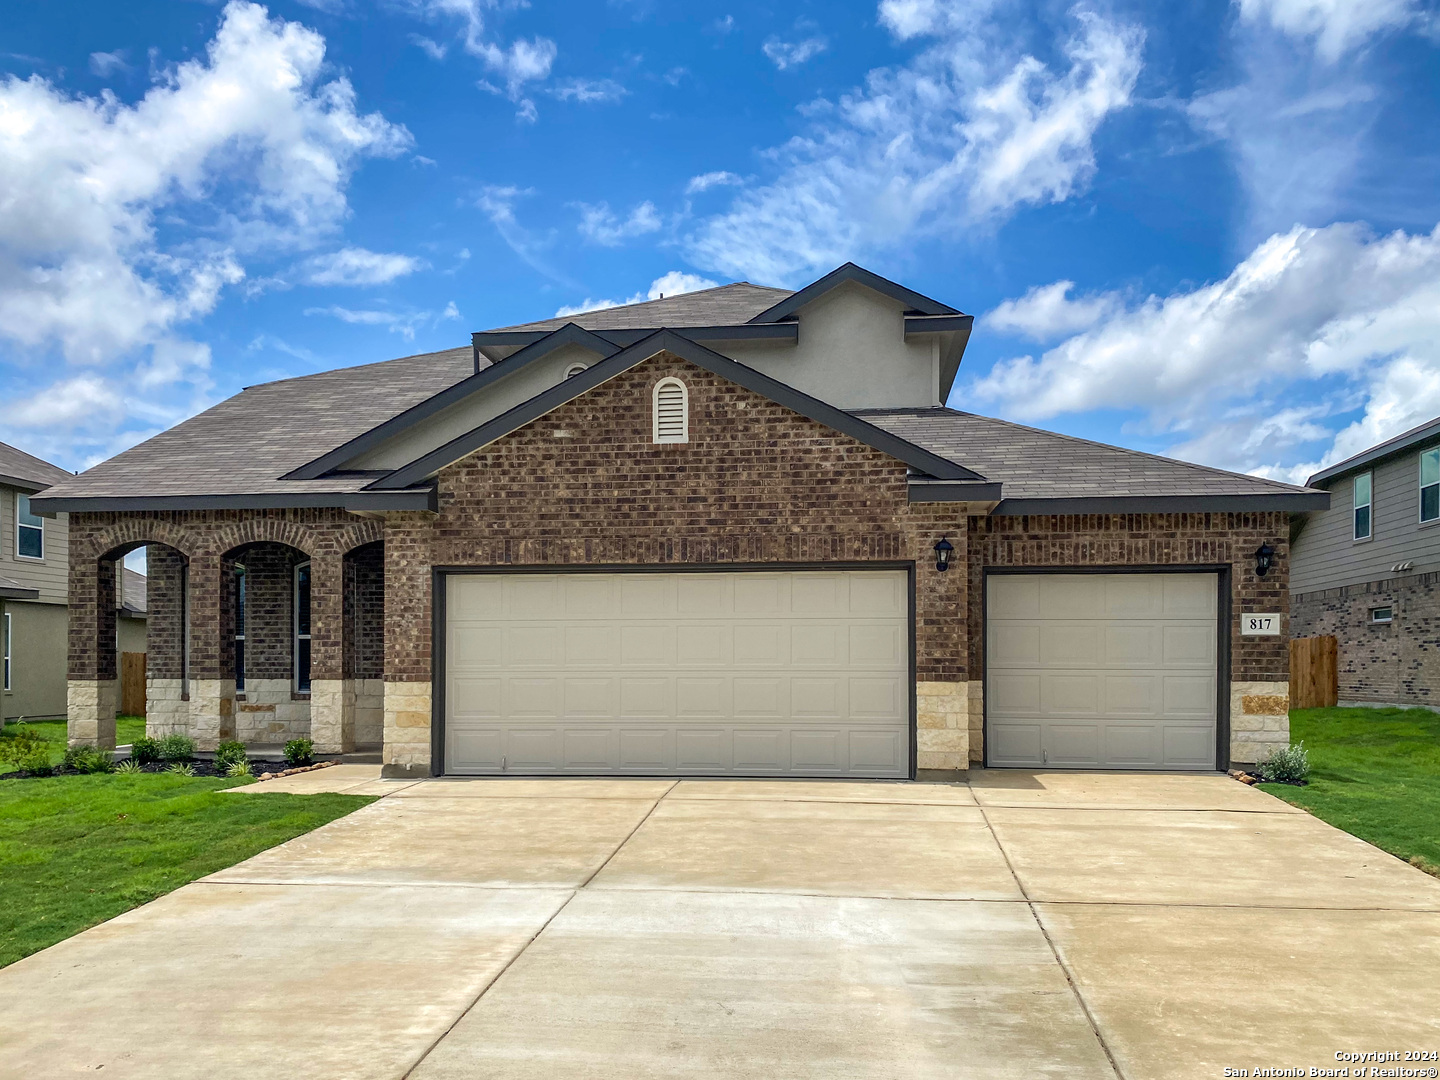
1336 26
1046 312
243 152
429 46
706 181
962 135
357 266
403 323
106 64
1250 372
589 91
788 54
516 64
599 225
671 284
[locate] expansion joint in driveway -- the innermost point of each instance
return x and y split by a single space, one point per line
543 926
1054 949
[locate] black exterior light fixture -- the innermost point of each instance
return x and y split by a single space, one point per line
1264 559
942 554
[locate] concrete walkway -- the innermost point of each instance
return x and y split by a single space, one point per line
1023 925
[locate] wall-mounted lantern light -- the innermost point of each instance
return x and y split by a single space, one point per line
1264 559
942 554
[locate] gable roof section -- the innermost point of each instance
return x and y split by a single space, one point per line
1042 472
569 334
725 305
915 456
1406 440
234 454
915 303
28 472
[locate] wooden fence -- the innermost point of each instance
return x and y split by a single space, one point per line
132 684
1314 673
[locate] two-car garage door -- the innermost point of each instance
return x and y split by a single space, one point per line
1101 671
787 673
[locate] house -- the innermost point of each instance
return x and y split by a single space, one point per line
1367 570
731 532
34 573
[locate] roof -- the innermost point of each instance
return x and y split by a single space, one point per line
244 444
134 589
725 305
1399 444
1032 465
22 470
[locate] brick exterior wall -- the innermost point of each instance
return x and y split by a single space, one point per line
365 613
165 614
1397 662
269 610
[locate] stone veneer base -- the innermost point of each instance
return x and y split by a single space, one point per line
407 725
942 726
1259 720
90 711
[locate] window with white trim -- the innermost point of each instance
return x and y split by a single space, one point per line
672 412
1430 485
7 650
29 530
573 370
302 628
1382 614
1362 504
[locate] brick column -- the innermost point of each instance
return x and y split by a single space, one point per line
91 690
167 708
406 750
942 692
212 650
332 697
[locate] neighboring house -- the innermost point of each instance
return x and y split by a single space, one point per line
1367 570
732 532
34 576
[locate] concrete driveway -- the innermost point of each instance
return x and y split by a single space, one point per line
1023 925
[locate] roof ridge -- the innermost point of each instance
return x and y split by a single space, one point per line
1096 442
646 303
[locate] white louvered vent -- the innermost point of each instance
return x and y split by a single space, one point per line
672 412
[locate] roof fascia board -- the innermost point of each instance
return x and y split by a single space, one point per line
625 338
1391 448
954 491
7 593
935 324
1167 504
421 499
22 484
912 300
569 334
672 341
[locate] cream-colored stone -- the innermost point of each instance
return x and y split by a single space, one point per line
332 715
167 712
90 708
935 760
212 712
943 741
1252 704
1265 704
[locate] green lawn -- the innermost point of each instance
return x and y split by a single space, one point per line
127 730
77 850
1374 773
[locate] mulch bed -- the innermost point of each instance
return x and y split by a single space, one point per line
202 768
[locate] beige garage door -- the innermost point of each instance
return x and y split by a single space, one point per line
801 673
1101 671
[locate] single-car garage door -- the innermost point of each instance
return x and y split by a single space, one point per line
795 673
1101 671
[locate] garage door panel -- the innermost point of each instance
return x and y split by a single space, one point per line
701 673
1102 670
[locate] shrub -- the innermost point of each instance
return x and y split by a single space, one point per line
20 746
89 759
180 768
299 752
239 768
1285 765
38 763
227 754
129 767
177 748
145 751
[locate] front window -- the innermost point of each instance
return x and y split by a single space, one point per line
302 627
29 530
1430 485
239 629
1362 506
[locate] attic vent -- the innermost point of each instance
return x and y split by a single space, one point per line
672 412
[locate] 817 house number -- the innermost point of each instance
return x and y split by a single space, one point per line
1260 624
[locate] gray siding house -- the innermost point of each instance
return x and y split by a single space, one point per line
34 582
1367 570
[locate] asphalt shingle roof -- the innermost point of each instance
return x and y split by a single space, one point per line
16 463
726 305
240 446
1034 464
134 590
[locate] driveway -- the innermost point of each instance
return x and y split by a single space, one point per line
1023 925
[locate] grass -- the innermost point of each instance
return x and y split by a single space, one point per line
1374 773
77 850
127 730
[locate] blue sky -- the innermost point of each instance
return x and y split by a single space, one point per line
1203 229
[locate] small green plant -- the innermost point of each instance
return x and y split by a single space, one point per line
145 751
239 768
299 752
89 759
1285 765
177 748
227 754
129 767
20 745
37 763
180 768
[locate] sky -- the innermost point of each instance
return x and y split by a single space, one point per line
1203 229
